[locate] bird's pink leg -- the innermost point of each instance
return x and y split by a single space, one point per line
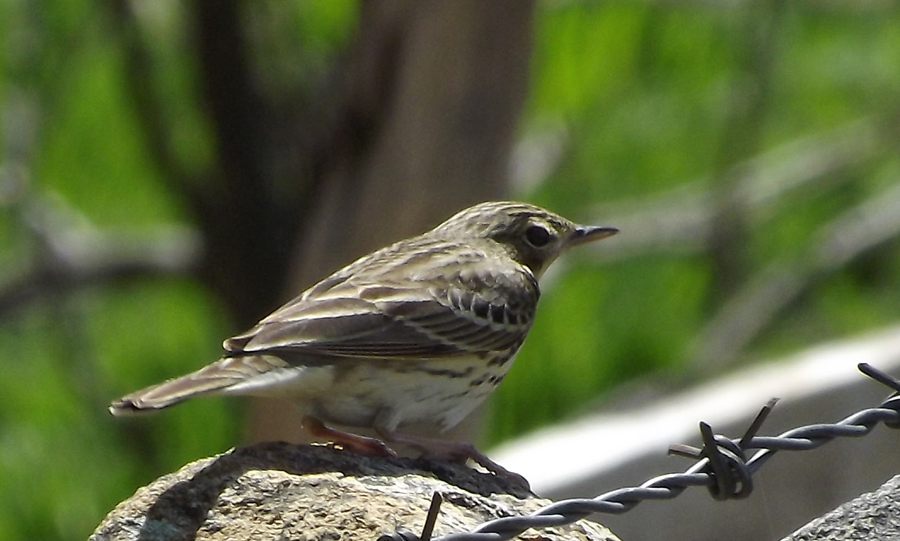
354 442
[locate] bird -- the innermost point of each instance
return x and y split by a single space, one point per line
421 331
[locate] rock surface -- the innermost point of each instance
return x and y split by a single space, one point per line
871 517
284 491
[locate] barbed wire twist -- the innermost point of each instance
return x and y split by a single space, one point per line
721 466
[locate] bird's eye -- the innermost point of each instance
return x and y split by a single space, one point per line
537 236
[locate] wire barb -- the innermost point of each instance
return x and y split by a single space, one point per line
880 376
757 423
431 519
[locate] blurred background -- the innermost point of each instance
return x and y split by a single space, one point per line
171 171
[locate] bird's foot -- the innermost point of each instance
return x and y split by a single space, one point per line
457 451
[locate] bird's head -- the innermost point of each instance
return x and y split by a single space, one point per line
533 236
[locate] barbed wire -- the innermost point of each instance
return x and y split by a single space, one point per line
721 466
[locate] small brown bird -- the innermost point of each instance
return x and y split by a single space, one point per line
420 331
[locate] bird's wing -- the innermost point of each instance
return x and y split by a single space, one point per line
471 313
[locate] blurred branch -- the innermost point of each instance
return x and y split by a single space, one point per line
677 221
71 254
245 208
235 108
140 84
838 242
536 155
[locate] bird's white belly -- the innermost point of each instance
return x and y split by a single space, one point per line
438 392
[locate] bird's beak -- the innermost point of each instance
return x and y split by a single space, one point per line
590 233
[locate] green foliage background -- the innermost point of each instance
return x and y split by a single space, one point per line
642 97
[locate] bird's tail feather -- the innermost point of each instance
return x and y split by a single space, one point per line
210 379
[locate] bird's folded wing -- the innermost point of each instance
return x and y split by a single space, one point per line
397 321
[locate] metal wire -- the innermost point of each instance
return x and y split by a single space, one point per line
721 467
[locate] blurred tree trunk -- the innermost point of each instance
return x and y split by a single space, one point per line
423 126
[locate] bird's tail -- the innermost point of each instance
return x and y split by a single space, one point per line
210 379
